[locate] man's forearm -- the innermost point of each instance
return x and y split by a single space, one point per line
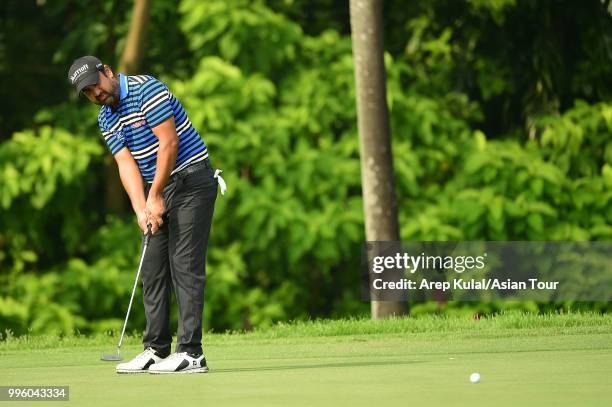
166 159
133 185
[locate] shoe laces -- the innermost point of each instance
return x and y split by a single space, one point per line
146 353
176 356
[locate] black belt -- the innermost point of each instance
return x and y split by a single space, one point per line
200 165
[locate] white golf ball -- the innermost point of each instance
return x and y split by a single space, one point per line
475 377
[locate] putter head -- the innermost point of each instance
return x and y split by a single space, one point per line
111 358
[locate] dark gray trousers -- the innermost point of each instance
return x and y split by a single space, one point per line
176 256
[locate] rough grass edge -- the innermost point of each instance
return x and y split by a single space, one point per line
498 324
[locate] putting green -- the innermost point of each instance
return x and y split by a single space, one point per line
523 361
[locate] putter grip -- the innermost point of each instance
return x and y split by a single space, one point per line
147 235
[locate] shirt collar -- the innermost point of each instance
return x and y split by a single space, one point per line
123 85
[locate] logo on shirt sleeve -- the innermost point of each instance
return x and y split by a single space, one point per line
119 135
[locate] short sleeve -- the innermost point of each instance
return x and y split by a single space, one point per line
114 139
156 103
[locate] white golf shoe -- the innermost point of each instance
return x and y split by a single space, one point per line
141 363
182 362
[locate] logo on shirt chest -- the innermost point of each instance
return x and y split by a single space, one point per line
138 124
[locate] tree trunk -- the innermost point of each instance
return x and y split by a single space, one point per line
136 39
116 199
380 205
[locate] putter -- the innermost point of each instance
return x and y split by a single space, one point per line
111 357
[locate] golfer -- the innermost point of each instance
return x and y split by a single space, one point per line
165 169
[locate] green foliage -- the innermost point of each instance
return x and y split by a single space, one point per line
585 127
35 163
244 32
554 188
87 296
45 181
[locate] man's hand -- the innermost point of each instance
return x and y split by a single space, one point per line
154 210
143 220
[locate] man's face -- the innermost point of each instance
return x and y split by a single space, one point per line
105 92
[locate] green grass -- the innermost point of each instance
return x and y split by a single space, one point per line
524 360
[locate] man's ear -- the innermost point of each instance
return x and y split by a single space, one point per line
108 72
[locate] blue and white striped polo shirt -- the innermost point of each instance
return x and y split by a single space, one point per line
144 103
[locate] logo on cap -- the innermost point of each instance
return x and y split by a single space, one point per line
79 71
